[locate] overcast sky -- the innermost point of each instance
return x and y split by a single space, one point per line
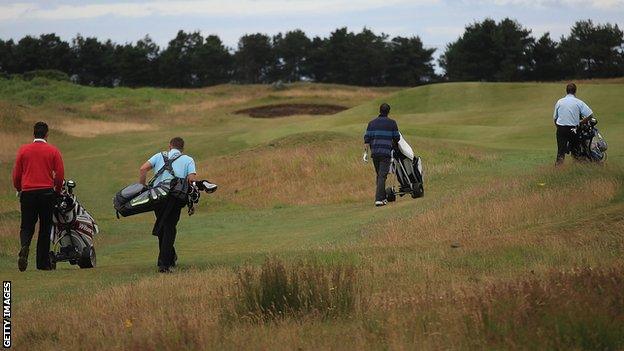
437 22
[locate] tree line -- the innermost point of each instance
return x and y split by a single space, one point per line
486 51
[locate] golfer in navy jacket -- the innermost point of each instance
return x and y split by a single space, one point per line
382 134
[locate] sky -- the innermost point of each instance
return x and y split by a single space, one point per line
437 22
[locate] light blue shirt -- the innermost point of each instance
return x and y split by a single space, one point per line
182 167
569 110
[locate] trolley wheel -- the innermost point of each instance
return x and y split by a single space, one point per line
52 256
390 194
88 258
420 192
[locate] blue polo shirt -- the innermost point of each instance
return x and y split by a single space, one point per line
569 110
381 134
182 167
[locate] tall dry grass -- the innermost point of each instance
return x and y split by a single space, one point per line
487 211
580 308
301 174
564 309
170 312
316 168
305 288
13 131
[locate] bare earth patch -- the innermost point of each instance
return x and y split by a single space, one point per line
283 110
86 128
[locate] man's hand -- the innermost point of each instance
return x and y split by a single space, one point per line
192 177
365 155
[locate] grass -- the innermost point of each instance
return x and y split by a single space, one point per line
504 251
306 288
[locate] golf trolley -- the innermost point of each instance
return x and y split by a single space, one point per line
409 173
73 231
589 144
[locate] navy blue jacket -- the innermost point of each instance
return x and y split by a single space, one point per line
381 134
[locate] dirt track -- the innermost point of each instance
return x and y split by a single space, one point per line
283 110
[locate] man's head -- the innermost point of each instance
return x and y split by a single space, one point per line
571 88
384 109
176 143
40 130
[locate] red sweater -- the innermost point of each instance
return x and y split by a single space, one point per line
38 165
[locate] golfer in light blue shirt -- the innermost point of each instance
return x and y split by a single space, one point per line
182 166
570 111
168 213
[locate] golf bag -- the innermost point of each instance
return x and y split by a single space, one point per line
408 169
138 198
73 231
589 144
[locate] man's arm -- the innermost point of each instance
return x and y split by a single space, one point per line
556 113
59 171
191 172
17 172
143 172
396 136
367 141
586 113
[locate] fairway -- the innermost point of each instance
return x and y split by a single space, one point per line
503 252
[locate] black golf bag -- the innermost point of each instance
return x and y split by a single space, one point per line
408 169
138 198
73 231
589 144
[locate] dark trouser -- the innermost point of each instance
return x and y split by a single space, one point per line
37 205
565 139
382 167
167 217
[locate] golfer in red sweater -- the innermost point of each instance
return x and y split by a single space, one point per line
38 174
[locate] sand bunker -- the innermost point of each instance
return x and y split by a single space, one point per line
283 110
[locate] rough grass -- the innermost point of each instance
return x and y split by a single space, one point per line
302 289
568 309
501 207
318 168
504 252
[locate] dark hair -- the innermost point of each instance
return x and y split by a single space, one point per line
384 109
40 130
177 143
571 88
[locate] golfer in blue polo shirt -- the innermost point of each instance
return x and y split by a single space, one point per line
168 214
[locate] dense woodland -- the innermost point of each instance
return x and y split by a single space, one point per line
486 51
